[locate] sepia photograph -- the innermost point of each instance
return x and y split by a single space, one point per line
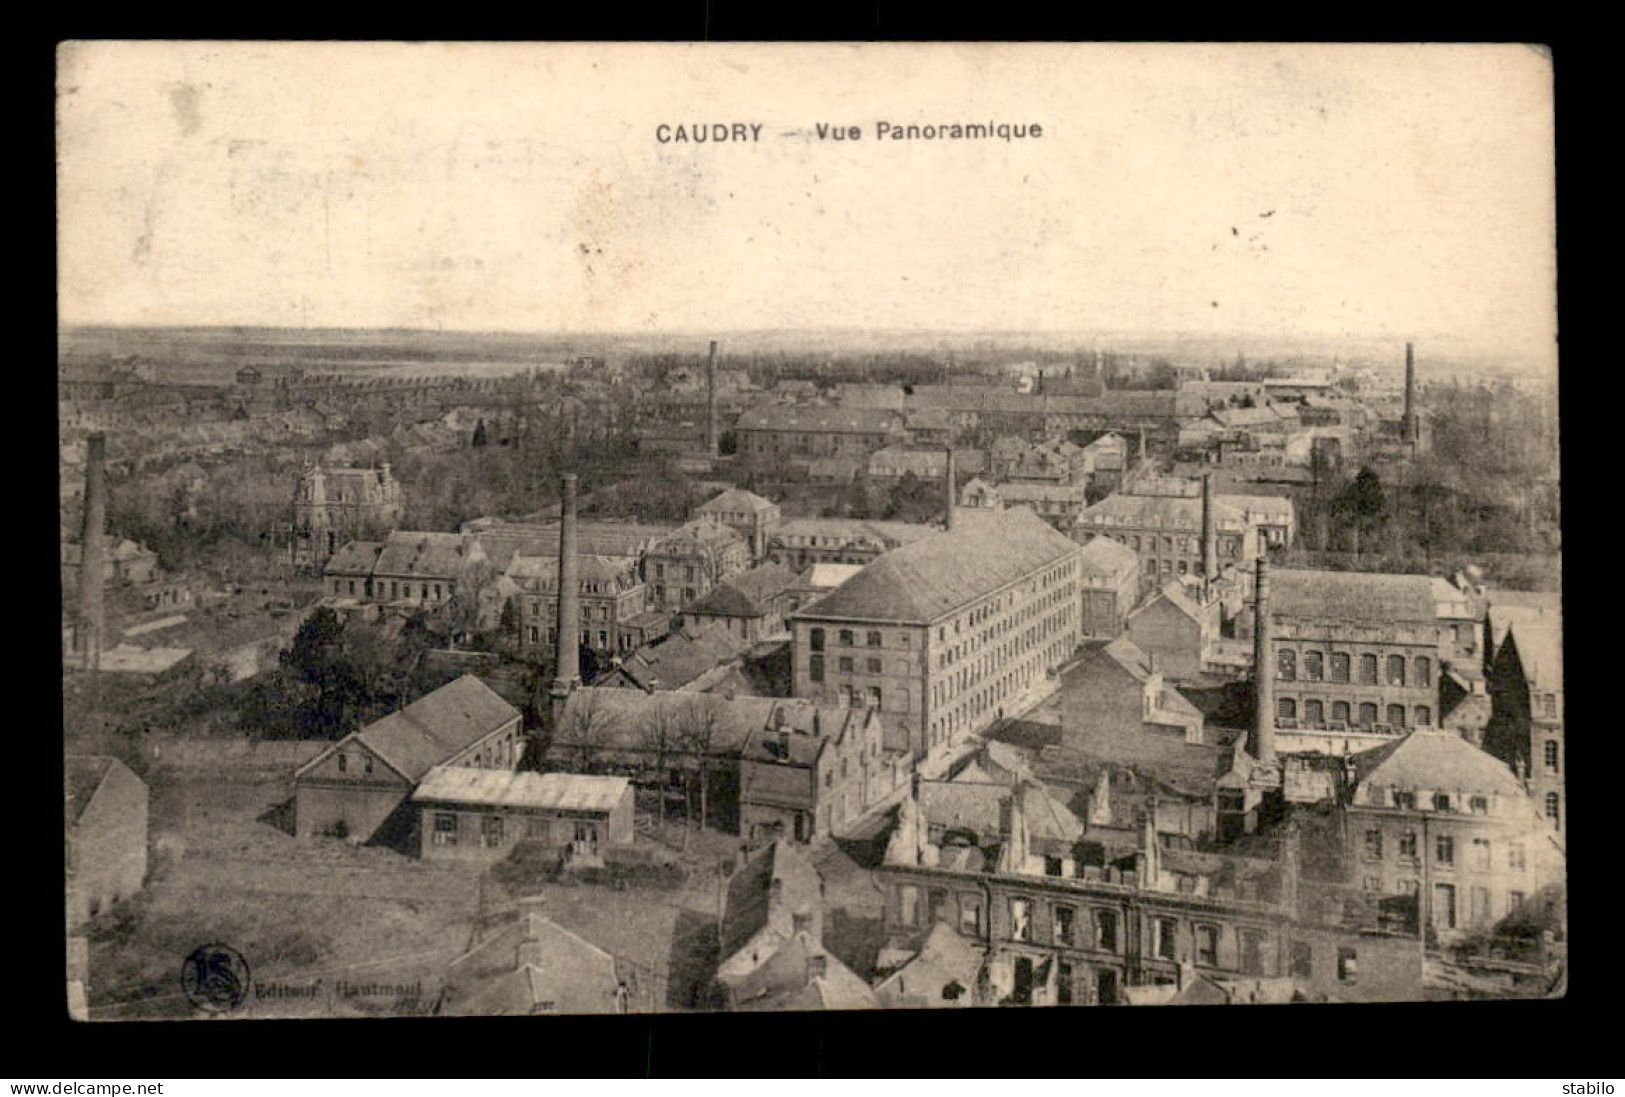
560 529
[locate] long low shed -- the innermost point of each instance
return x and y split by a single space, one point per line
482 813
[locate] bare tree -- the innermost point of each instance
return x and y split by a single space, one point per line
585 719
697 732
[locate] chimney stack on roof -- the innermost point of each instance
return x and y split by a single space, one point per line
713 439
948 494
93 552
1263 674
567 651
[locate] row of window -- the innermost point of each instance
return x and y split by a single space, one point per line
397 589
494 831
1480 854
1317 668
848 638
1315 713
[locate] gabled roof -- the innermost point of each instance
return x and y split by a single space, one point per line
1442 760
1174 596
828 576
430 555
528 964
85 774
935 576
1351 595
736 500
431 729
748 594
683 656
1103 556
701 533
1539 646
355 558
785 983
751 905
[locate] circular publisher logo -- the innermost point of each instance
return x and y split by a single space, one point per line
215 978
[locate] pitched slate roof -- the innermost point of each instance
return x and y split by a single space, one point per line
1103 556
528 963
748 594
1540 652
736 500
785 983
683 656
819 420
431 555
85 774
355 558
1443 760
698 534
431 729
621 719
935 576
749 907
1351 595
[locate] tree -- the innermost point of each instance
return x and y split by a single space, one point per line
315 647
696 731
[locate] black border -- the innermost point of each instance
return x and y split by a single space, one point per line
1468 1039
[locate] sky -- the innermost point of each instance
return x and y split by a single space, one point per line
1225 190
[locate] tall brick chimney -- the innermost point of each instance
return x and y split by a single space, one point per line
1210 543
1408 425
93 552
1263 672
567 651
949 501
713 439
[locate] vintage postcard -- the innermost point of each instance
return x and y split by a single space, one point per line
642 528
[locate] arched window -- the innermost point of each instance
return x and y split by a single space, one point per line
1287 665
1340 666
1340 712
1314 666
1424 716
1424 670
1368 670
1314 712
1396 715
1396 670
1368 713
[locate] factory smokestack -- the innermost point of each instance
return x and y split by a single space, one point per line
1210 546
948 495
567 651
1409 423
92 552
713 440
1263 672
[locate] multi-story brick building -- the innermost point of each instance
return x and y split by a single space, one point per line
802 542
1355 653
814 770
1109 575
424 569
1165 531
948 634
782 432
333 506
752 516
1061 927
683 566
610 593
1434 817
